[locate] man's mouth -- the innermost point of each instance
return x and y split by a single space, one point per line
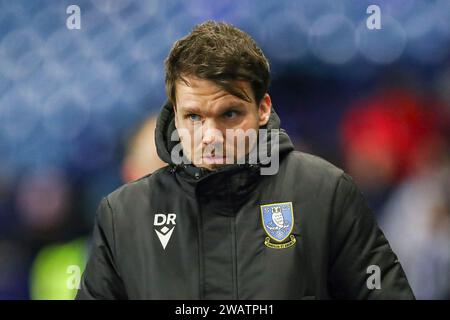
214 159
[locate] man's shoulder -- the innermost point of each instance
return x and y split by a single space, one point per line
313 166
134 190
309 175
314 174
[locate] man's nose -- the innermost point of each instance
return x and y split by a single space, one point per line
211 133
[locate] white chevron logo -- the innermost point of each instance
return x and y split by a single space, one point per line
164 238
164 233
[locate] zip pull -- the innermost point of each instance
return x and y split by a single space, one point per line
173 169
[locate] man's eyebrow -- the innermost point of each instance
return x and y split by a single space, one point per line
190 109
231 104
224 106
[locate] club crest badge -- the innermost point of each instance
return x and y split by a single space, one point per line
278 222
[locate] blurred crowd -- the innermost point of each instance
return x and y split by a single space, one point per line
78 110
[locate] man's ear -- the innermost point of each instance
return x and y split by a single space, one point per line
175 116
264 109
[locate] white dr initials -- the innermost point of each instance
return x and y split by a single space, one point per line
162 222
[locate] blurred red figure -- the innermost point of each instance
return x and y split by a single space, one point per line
387 136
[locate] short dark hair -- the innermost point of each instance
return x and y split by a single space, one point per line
219 52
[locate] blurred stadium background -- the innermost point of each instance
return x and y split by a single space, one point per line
77 114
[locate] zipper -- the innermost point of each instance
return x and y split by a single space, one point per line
234 258
201 262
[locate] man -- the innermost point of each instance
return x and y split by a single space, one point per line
140 156
202 228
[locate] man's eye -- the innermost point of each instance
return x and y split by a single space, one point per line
230 114
194 117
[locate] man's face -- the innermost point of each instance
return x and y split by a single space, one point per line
206 114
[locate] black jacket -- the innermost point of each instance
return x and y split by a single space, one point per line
220 246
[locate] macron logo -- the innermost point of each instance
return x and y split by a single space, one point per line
162 223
